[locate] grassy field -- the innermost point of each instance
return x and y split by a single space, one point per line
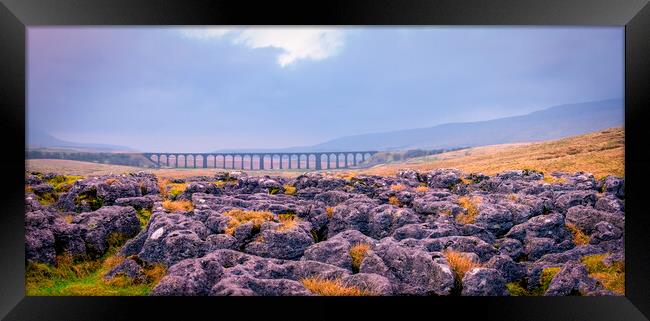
600 153
86 169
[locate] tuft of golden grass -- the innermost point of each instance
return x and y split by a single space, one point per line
579 237
460 263
162 186
177 206
553 180
289 190
358 253
513 197
239 217
347 175
287 222
611 277
422 189
600 153
471 209
466 181
394 201
397 187
329 211
68 218
111 181
154 273
112 262
334 287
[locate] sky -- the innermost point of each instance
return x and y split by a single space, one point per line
201 89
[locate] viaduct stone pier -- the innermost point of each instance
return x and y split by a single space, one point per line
261 161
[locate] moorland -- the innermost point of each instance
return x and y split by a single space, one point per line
525 219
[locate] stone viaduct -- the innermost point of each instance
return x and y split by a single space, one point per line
260 161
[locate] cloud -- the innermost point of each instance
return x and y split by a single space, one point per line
295 43
206 33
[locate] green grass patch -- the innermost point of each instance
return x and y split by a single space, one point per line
63 183
223 183
144 215
91 284
520 288
47 198
176 189
83 276
517 289
545 279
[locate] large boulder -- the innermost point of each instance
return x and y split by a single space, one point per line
431 204
106 225
572 279
410 271
570 199
413 231
127 268
586 218
442 178
536 247
374 284
461 244
244 285
615 186
605 231
510 247
495 218
336 250
275 242
227 272
547 226
138 202
168 238
94 192
484 282
509 269
48 234
369 219
573 254
199 187
39 246
332 198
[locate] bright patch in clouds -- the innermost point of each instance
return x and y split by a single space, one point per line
295 43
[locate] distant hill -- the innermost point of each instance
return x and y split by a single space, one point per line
37 139
552 123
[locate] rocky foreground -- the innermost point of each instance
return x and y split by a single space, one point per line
432 233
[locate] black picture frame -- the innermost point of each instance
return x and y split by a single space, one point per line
17 15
